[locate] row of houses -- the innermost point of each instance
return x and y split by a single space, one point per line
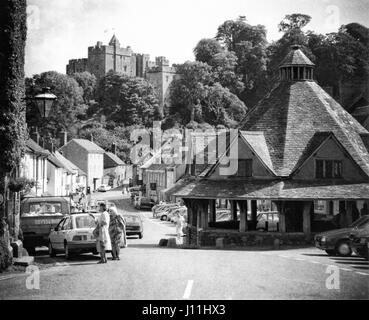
79 165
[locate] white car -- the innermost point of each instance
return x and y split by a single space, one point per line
104 188
73 234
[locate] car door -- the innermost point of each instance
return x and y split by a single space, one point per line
55 236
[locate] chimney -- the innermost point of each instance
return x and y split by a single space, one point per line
63 138
114 148
35 136
49 145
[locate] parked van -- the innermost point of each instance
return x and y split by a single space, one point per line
38 216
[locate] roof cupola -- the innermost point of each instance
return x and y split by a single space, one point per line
296 66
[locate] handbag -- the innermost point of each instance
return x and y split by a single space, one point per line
96 232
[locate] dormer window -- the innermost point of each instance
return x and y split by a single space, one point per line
328 169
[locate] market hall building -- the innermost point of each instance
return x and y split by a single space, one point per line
299 150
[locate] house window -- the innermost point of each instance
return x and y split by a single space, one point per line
244 167
328 169
153 186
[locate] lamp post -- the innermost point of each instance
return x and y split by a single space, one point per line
44 102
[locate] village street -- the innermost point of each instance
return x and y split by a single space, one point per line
147 271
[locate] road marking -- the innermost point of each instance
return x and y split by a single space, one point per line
188 290
312 261
363 273
344 269
282 256
299 259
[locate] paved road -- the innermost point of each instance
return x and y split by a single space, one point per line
147 271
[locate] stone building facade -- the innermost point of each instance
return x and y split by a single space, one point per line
112 57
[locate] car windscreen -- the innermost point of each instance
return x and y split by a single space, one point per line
41 208
83 222
132 219
360 222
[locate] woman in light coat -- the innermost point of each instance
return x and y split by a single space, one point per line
103 240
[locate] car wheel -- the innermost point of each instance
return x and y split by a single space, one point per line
140 235
344 249
67 251
164 218
94 252
51 250
331 252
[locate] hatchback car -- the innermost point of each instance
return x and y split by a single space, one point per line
338 241
73 234
145 203
104 188
134 225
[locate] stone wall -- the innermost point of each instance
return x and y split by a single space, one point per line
234 238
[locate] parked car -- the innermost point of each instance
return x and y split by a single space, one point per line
168 214
338 241
360 243
134 225
145 203
38 216
104 188
158 209
73 234
271 217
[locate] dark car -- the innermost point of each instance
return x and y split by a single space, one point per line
338 241
145 203
360 243
134 225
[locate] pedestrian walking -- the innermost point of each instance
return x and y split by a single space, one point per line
103 242
116 229
179 226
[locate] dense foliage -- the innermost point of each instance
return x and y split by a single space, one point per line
13 133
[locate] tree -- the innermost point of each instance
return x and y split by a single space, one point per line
190 88
13 132
294 21
127 101
249 45
340 58
87 82
222 107
206 49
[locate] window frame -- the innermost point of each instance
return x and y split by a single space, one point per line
248 164
333 163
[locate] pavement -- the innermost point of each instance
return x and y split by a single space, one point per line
149 272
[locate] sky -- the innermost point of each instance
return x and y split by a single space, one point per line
59 30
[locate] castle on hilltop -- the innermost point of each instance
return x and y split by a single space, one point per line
112 57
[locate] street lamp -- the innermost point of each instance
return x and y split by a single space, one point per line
44 102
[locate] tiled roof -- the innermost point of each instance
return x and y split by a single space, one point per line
296 57
33 147
88 145
237 189
54 160
293 113
68 164
256 141
111 160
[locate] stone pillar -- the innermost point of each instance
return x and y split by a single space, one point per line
307 217
234 209
254 213
349 210
282 217
243 215
213 211
204 214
